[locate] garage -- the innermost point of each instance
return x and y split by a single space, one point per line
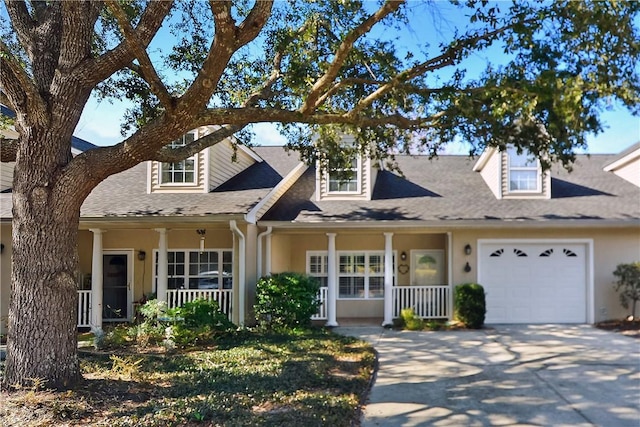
534 281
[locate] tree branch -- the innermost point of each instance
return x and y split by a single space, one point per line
311 103
246 115
18 86
21 21
449 57
167 154
146 69
226 41
96 70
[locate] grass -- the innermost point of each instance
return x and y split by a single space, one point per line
310 378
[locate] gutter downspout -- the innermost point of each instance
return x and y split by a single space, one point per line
268 257
241 270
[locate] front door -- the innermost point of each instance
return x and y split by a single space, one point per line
116 298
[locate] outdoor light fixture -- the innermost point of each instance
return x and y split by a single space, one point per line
467 268
142 255
403 256
467 249
201 232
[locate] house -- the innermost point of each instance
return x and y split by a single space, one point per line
544 245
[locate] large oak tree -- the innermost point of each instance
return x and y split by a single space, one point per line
319 68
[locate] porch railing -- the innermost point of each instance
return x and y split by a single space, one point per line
428 302
224 297
84 308
322 310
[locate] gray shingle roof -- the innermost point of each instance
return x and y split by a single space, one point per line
446 189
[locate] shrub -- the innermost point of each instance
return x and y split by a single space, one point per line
410 321
286 300
628 285
202 312
470 306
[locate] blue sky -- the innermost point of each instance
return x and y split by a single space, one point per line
100 122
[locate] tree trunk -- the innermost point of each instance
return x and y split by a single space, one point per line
42 340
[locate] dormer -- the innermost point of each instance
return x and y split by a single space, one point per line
202 172
353 182
513 175
627 165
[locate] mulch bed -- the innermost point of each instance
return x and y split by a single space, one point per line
625 327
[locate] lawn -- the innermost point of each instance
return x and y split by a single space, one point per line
308 379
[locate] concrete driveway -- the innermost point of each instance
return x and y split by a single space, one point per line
535 375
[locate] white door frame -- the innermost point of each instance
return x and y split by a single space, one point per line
590 314
129 254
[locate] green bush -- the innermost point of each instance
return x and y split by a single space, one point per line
628 285
286 300
470 305
410 321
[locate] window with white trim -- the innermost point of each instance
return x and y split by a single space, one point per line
317 266
184 171
192 269
361 275
345 180
525 174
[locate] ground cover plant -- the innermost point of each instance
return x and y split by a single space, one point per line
308 378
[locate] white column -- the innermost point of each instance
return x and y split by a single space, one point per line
267 257
163 265
388 279
259 262
331 281
450 274
242 250
96 280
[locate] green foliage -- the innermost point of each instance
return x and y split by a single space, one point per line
628 285
410 321
196 322
470 305
286 300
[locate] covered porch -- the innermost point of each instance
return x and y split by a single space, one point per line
123 267
370 273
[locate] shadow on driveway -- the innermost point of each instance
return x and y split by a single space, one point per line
539 375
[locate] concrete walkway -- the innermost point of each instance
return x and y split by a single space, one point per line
538 375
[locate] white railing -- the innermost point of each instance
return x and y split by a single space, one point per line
428 302
322 309
84 308
224 297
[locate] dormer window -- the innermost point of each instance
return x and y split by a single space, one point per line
525 173
345 180
182 172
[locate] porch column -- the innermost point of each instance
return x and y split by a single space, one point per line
388 279
96 280
450 275
331 281
267 257
163 265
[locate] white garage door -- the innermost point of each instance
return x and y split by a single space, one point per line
534 282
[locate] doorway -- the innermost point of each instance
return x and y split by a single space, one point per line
117 289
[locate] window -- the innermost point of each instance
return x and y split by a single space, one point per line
345 180
317 266
524 172
361 275
198 270
182 172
